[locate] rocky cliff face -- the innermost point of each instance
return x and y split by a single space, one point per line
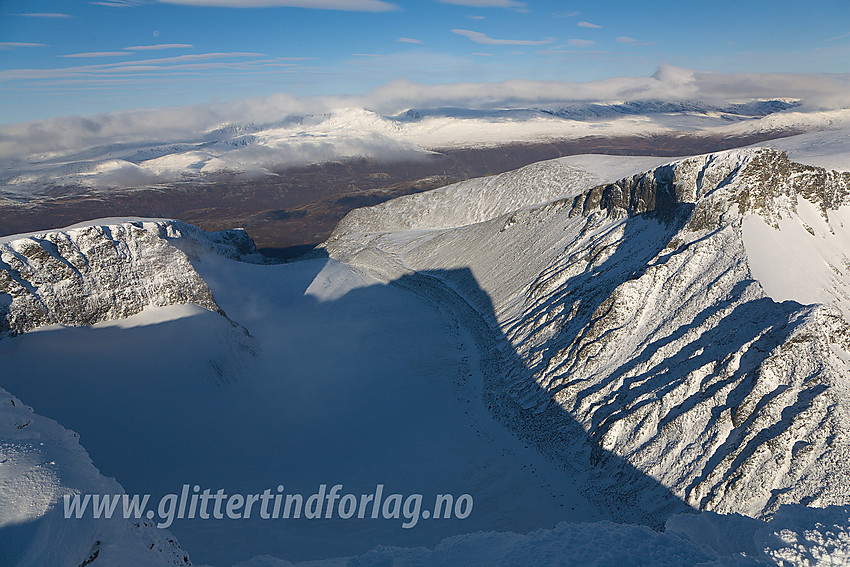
90 274
636 341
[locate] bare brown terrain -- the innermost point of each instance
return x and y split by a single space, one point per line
292 211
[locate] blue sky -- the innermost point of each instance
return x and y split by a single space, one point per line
62 58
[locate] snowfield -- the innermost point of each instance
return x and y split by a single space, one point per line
595 348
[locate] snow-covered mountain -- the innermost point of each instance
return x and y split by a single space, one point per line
657 337
652 312
346 132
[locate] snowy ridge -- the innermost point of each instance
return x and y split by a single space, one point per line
632 309
99 272
490 197
487 198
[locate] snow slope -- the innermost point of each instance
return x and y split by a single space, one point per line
795 536
829 149
343 379
40 462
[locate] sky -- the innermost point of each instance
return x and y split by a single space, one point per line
64 58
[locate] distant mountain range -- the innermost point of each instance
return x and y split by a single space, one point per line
126 161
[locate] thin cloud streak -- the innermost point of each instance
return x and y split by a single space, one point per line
118 68
409 40
46 15
632 41
93 54
486 3
483 39
345 5
120 3
7 44
588 25
159 46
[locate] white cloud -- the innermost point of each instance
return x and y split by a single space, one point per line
836 38
581 42
46 15
180 62
120 3
159 46
409 40
632 41
486 3
93 54
7 44
588 25
668 83
483 39
348 5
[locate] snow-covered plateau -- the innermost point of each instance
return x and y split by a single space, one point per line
624 361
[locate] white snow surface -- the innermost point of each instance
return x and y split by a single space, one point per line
482 199
806 258
40 462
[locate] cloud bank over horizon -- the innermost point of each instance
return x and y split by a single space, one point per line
668 84
403 120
